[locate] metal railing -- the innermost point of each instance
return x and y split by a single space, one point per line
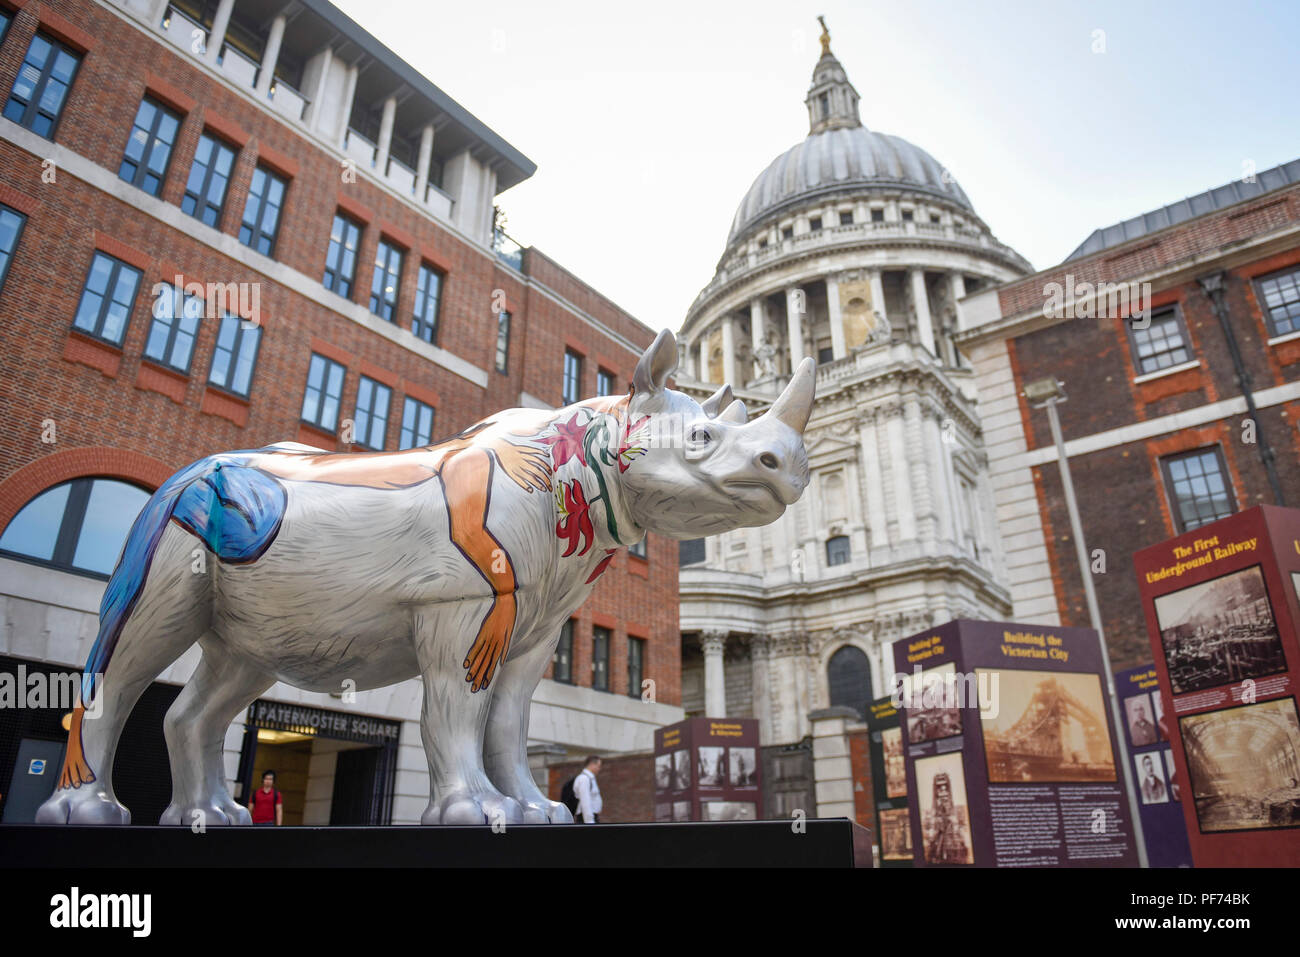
360 148
508 251
236 65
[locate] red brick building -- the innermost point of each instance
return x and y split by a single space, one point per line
169 171
1177 337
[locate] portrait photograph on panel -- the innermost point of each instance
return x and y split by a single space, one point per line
681 769
1151 782
712 773
1138 715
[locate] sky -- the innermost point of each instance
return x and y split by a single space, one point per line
648 122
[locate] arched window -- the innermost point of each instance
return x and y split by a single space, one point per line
849 676
78 526
837 550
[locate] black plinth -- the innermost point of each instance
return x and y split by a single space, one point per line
817 843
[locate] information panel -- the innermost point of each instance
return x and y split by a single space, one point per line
1009 748
889 784
708 769
1222 605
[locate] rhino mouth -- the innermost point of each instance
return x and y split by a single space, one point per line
764 486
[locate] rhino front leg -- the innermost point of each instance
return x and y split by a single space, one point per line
505 751
452 724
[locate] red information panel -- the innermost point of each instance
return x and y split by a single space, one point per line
1222 604
708 769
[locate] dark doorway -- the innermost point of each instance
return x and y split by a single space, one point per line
360 779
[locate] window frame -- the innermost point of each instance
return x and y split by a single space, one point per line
32 107
1171 496
565 641
502 360
243 327
174 329
200 198
256 234
848 551
161 110
370 412
115 270
1174 310
333 277
327 365
575 379
607 387
18 238
71 524
1269 325
8 16
634 684
420 322
419 406
601 639
394 250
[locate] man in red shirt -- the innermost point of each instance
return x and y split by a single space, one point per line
266 805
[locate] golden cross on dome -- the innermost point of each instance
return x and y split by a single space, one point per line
826 35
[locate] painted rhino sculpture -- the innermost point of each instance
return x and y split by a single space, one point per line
457 563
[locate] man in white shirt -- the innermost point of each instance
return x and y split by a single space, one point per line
587 791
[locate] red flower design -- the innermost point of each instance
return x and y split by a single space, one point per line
575 522
626 451
604 563
566 443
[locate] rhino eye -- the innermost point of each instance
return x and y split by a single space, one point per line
699 437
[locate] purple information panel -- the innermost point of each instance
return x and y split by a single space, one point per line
708 769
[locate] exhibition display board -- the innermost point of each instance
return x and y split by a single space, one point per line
708 769
1159 788
1222 607
1009 748
889 785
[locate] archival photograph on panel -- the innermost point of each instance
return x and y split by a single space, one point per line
1045 726
891 743
729 811
1219 632
664 812
1175 792
742 767
681 770
1138 713
710 769
896 834
663 772
945 818
1151 778
1244 766
931 702
681 810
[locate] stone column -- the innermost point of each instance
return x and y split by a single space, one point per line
426 155
832 767
712 643
874 467
349 94
794 301
385 143
729 350
878 294
757 332
703 352
217 36
836 315
758 661
904 509
266 72
921 299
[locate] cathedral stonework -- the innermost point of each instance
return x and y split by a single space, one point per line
852 247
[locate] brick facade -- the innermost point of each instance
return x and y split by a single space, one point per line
627 787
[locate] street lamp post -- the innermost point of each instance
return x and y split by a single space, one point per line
1047 394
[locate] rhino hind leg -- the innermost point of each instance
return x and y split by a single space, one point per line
195 728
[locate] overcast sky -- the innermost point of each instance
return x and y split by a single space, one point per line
649 121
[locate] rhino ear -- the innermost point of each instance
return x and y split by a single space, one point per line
717 402
658 363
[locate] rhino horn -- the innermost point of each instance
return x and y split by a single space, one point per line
656 365
735 413
717 402
794 405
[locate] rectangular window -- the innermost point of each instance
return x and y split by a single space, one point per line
11 230
690 551
846 217
341 260
149 147
907 215
387 280
503 340
1162 344
1279 294
572 377
825 355
837 550
877 215
1198 487
262 211
934 219
417 424
235 355
563 670
635 665
107 298
600 658
205 190
371 419
787 232
6 18
604 382
814 224
41 87
174 328
320 404
428 293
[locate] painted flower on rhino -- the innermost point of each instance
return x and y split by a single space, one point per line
567 442
626 450
575 519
